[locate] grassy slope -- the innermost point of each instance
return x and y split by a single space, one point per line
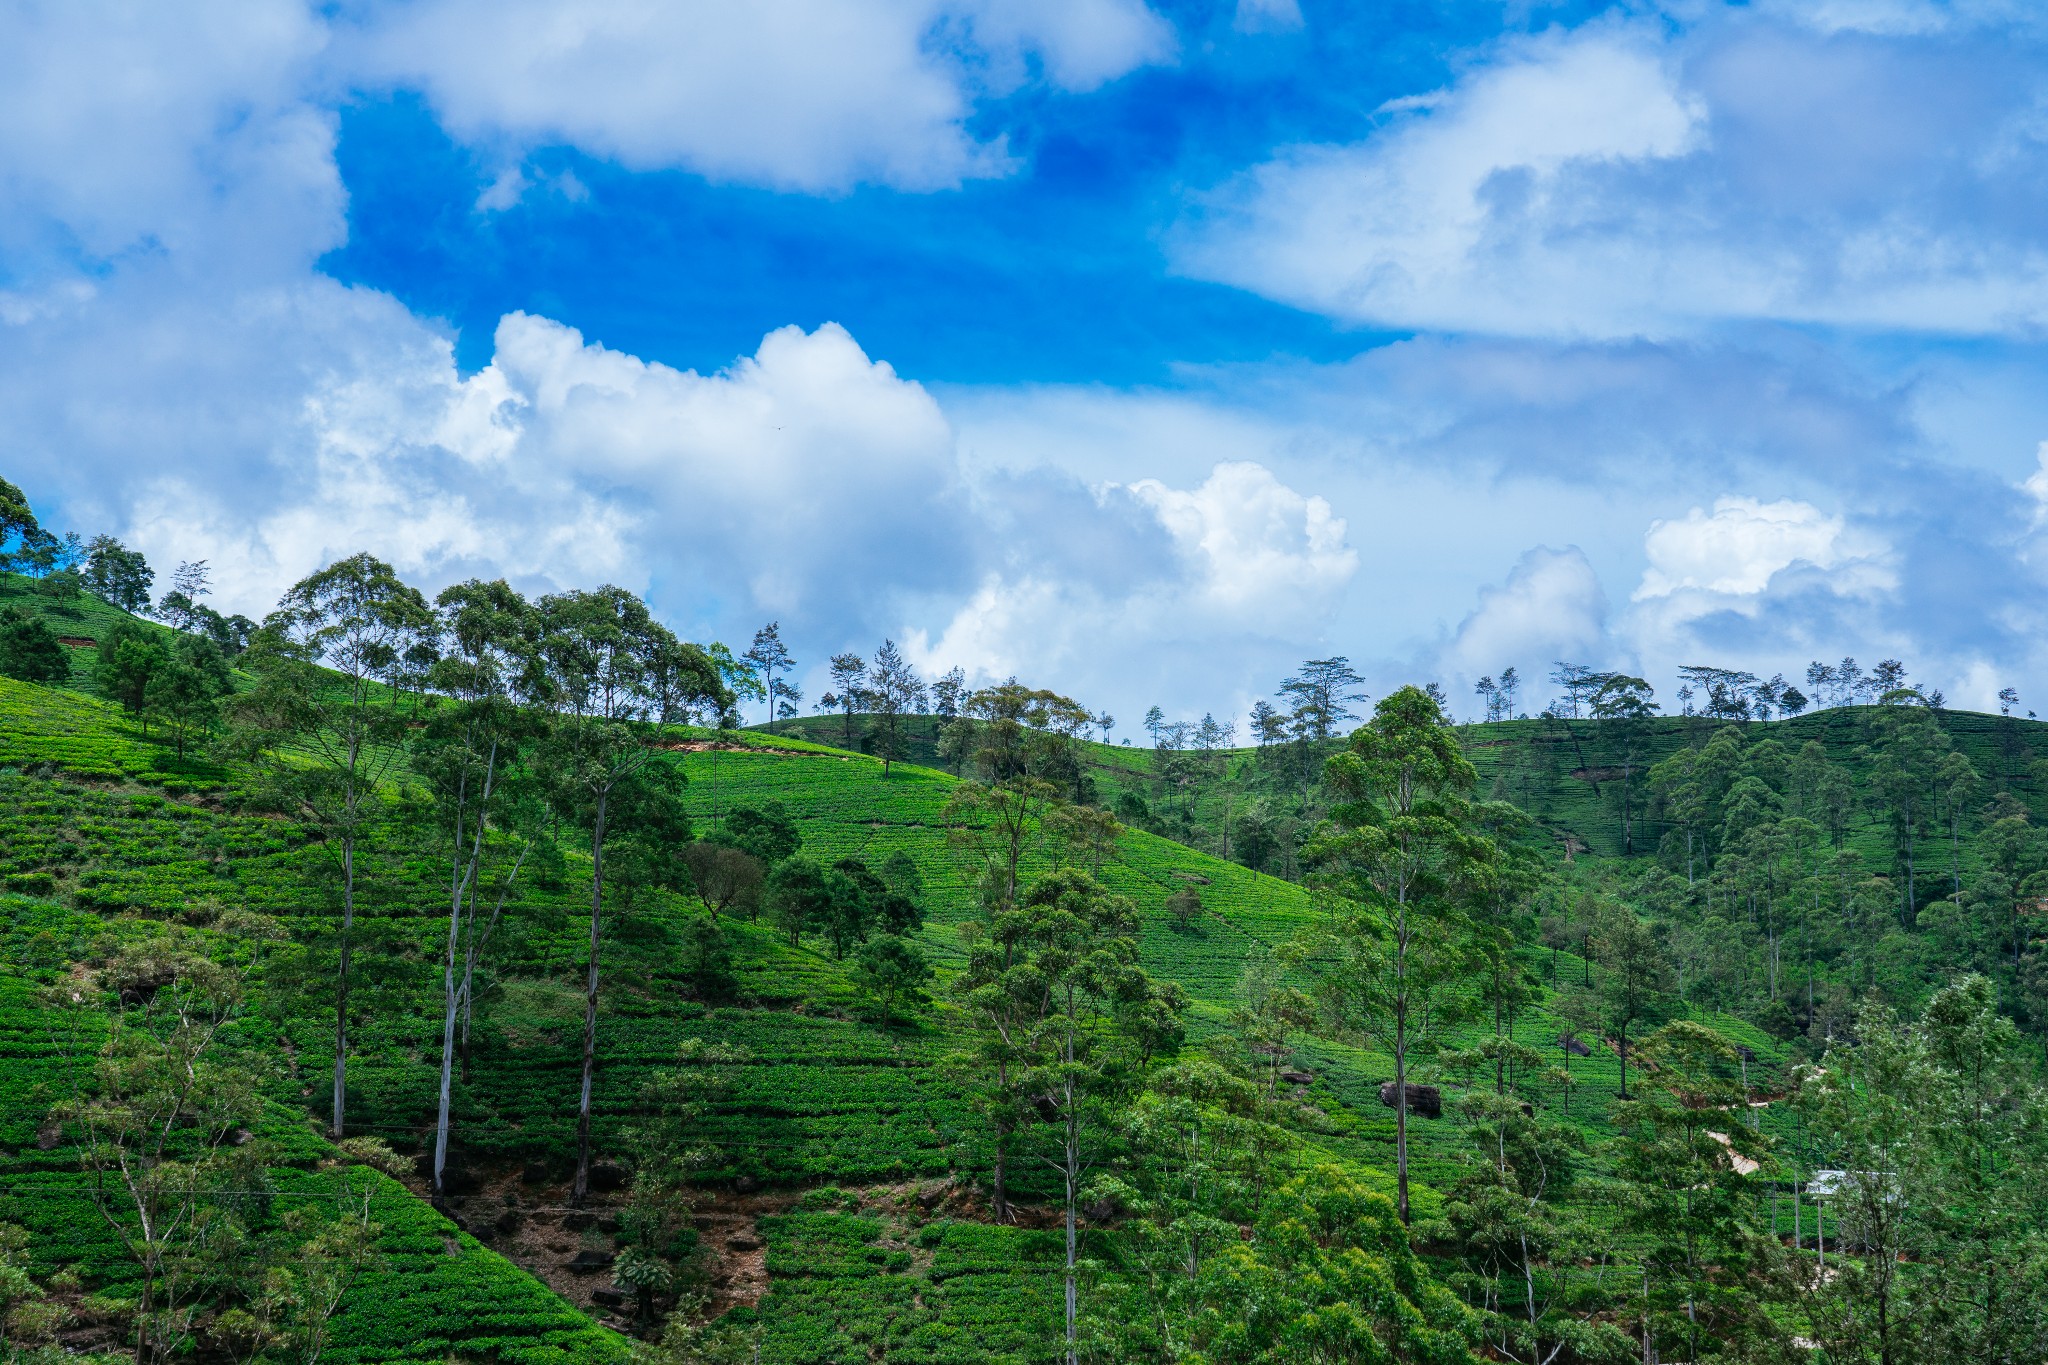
103 820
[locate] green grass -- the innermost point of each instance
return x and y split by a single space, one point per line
108 834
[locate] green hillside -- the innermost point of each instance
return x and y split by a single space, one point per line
839 1197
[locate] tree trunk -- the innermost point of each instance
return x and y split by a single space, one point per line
348 923
579 1191
1401 1109
1072 1172
1624 1061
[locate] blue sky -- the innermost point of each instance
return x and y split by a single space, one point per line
1139 350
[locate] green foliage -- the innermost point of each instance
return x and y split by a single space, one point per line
768 835
30 650
892 974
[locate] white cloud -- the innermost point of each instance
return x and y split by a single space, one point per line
1754 582
153 128
801 94
1738 549
1261 552
1259 562
1550 607
1390 229
1653 180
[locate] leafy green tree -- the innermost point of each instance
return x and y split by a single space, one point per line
1524 1245
1686 1162
1938 1192
659 1252
1904 763
29 649
180 607
117 575
848 672
183 696
350 616
892 692
769 833
803 897
154 1122
1626 705
1203 1146
1322 691
995 826
1269 1012
726 878
891 972
19 529
1327 1275
469 747
1635 977
128 654
600 651
1404 855
1184 909
773 662
1057 980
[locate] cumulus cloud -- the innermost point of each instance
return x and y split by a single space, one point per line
1551 606
1738 548
1627 180
801 94
1260 551
150 129
1247 560
1753 579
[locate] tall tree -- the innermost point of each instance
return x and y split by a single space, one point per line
469 745
1322 691
771 658
1626 704
19 529
892 690
1687 1172
30 650
598 645
117 575
1405 853
350 616
1637 975
849 670
1058 999
180 607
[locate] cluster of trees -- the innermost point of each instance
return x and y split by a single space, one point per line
166 1120
1725 693
1776 911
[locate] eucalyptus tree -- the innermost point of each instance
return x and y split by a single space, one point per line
892 690
1322 691
1061 1018
1626 704
849 673
470 745
352 617
600 648
117 575
1404 855
773 661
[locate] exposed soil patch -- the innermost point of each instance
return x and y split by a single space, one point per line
705 746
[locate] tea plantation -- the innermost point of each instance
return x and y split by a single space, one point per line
105 837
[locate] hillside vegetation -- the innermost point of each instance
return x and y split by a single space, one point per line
911 1050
